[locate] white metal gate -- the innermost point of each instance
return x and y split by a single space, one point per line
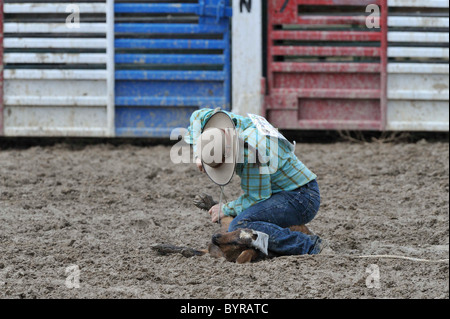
56 71
418 69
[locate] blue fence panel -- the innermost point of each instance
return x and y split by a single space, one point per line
171 59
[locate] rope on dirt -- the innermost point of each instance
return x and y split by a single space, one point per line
406 258
393 257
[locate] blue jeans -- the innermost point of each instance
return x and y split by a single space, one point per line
284 209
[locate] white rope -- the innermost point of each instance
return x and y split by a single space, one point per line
392 257
220 203
406 258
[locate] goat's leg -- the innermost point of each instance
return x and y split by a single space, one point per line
204 201
247 256
164 249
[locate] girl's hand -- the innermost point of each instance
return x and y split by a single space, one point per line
198 162
214 212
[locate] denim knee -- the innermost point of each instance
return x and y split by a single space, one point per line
237 223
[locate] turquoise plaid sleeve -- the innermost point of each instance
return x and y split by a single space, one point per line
255 185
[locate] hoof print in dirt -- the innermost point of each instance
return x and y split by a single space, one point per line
204 201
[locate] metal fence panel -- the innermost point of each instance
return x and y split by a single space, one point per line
418 70
56 70
139 68
1 68
171 58
326 67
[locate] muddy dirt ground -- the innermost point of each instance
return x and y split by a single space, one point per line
101 207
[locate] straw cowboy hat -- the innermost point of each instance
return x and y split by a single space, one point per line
218 148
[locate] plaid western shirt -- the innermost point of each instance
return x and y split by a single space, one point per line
280 171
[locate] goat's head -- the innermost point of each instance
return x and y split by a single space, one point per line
236 246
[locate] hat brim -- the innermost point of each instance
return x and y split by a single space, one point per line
222 174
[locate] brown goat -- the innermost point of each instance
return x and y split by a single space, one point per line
234 246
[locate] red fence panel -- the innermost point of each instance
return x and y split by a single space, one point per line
326 69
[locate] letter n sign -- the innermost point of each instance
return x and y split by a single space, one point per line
247 4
